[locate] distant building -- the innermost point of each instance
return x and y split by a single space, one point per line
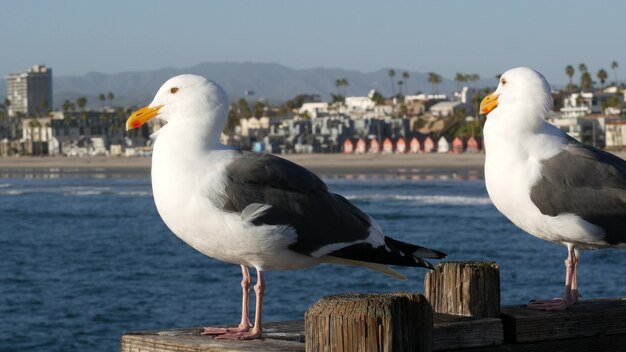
587 130
616 134
446 109
30 91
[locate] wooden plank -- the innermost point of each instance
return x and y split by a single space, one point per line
454 331
369 322
469 288
608 343
283 336
586 318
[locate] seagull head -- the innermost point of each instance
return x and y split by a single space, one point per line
185 99
522 93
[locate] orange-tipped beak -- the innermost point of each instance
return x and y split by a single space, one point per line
141 116
489 103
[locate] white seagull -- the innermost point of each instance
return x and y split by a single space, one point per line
251 209
546 182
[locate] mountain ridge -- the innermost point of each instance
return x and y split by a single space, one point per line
269 81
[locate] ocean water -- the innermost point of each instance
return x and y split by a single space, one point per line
85 257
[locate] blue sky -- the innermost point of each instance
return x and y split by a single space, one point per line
484 37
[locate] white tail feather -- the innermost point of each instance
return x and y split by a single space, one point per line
374 266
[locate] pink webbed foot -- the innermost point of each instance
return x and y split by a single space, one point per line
245 335
222 331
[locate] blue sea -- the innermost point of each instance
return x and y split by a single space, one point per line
85 257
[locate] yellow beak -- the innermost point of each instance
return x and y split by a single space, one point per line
141 116
489 103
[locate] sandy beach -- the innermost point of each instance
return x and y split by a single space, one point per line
319 163
434 163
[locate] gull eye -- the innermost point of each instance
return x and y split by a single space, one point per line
503 81
174 90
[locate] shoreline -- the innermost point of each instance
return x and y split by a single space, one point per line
326 164
318 163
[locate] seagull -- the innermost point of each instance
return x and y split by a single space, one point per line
251 209
546 182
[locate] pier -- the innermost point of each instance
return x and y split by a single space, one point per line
459 311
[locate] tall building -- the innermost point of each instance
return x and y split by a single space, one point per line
30 91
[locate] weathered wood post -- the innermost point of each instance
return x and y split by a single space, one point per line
369 322
469 288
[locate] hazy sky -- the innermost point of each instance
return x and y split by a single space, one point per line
484 37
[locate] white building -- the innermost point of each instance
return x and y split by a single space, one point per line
589 131
615 134
424 97
253 123
358 104
30 91
445 108
313 109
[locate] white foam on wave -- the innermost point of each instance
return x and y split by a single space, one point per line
426 199
12 192
5 185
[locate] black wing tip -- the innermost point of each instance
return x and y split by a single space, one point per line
439 254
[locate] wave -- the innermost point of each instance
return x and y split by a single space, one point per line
74 192
425 199
5 185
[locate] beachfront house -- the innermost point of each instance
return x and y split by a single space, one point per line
348 147
374 146
361 146
387 146
429 145
400 145
472 145
457 146
415 146
443 146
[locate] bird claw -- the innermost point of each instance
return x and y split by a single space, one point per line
223 331
245 335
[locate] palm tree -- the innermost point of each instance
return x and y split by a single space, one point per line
406 76
102 99
392 74
344 83
81 102
110 96
434 79
400 83
66 106
474 77
338 86
602 75
460 78
585 81
341 82
569 71
614 67
259 108
377 98
582 68
244 109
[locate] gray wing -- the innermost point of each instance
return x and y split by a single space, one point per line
280 192
588 182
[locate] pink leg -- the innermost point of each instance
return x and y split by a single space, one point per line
570 296
245 321
574 292
256 331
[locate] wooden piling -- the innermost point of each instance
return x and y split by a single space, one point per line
469 289
369 322
465 297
